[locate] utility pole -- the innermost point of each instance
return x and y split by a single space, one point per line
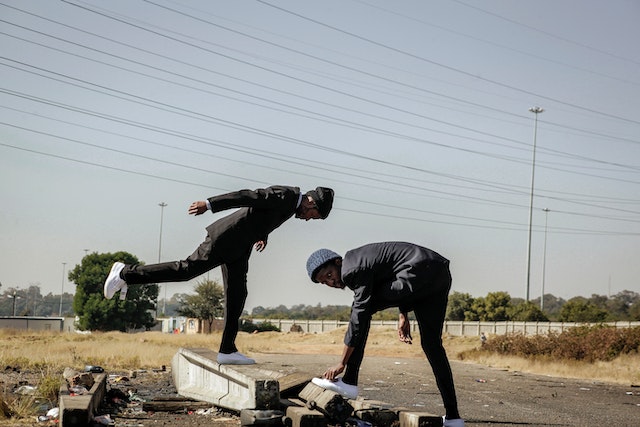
536 111
164 303
62 290
544 257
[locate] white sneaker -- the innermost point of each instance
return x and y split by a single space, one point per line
346 390
235 358
114 283
456 422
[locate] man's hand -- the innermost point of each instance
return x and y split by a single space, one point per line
260 245
334 371
404 329
198 208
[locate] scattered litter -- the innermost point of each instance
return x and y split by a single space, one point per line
120 379
585 389
104 420
209 411
629 393
94 369
53 413
117 397
481 380
77 390
25 390
134 397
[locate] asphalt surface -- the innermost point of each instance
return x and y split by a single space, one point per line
486 396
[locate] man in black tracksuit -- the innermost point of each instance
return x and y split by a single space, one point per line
383 275
228 244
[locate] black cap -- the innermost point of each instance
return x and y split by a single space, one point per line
323 197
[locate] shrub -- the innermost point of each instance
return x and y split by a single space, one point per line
581 343
249 326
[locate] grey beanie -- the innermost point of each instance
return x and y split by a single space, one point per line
317 260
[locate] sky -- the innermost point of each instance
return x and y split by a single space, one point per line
417 115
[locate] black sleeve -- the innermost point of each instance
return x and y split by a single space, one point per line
361 309
262 198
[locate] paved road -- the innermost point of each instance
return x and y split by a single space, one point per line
487 396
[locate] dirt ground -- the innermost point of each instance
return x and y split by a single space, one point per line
487 396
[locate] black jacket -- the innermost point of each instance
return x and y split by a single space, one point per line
261 211
387 274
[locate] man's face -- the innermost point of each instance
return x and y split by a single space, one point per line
331 274
307 209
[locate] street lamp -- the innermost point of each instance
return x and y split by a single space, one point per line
164 303
62 290
15 297
544 257
536 111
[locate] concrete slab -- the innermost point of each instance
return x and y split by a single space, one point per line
79 410
301 416
198 375
419 419
259 390
377 417
331 404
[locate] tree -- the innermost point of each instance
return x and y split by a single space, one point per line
494 307
387 314
94 311
459 303
634 310
527 311
206 304
618 305
552 306
579 309
14 301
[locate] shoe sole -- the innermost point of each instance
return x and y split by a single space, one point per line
105 289
335 390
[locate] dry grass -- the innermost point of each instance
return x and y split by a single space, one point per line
622 370
114 350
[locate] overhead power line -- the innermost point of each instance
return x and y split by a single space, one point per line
449 67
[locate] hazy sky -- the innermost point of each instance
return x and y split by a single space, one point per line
415 112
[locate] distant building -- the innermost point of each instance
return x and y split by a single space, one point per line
38 323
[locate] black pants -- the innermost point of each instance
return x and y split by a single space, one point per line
203 259
430 311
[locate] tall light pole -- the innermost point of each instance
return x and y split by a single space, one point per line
544 257
15 297
162 206
536 111
62 290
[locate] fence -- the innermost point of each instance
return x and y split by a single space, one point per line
453 328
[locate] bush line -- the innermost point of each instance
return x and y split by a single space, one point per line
584 343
